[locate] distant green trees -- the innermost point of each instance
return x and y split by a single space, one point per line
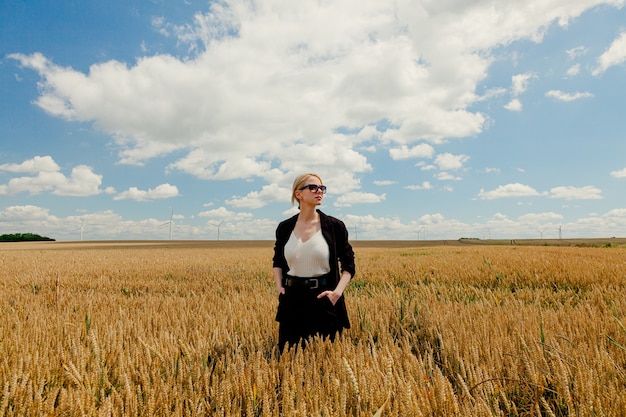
23 237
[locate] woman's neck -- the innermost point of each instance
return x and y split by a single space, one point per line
308 214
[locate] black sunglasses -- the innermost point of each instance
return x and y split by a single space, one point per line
314 188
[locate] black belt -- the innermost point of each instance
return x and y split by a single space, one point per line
311 283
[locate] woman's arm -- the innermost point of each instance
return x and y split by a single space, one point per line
278 279
346 258
279 263
336 294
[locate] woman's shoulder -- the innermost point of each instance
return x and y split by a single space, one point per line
330 219
290 222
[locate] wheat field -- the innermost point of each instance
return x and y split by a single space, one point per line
167 330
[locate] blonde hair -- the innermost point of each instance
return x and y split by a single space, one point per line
299 182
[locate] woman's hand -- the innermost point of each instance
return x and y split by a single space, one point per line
333 296
278 280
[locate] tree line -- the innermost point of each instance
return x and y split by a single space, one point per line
23 237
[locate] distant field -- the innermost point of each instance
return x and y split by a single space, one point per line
207 244
439 328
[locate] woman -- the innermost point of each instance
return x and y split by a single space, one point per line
310 281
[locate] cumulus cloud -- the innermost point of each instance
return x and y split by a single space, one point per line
446 176
422 150
423 186
617 213
159 192
520 82
514 105
573 70
449 162
507 191
24 213
46 177
576 193
349 199
382 183
561 96
222 213
536 218
35 165
256 199
614 55
619 173
564 192
263 81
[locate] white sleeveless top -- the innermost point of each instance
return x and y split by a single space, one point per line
307 259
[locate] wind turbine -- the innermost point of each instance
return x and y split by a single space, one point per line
218 228
170 223
81 228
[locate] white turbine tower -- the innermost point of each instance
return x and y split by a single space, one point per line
81 228
170 222
218 225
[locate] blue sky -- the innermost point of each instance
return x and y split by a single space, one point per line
425 119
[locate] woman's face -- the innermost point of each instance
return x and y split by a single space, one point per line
308 196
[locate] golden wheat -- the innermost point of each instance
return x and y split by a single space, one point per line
167 330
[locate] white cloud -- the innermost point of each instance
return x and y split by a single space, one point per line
422 150
576 193
24 213
573 70
521 82
159 192
561 96
35 165
222 213
576 52
617 213
425 166
82 182
349 199
491 93
382 183
507 191
614 55
619 173
521 190
47 177
514 105
423 186
535 218
257 199
432 219
446 176
448 161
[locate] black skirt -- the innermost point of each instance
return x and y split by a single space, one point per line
302 315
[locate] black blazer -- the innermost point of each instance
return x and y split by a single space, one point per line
335 234
340 251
